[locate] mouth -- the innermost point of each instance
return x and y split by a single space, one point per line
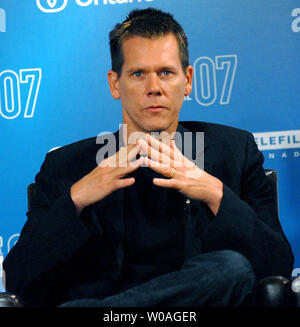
155 108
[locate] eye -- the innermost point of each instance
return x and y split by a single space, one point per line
138 74
166 73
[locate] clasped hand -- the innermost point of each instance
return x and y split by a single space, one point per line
161 156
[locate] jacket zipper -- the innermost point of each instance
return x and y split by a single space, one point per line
192 247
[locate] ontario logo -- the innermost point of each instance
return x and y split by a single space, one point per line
51 6
54 6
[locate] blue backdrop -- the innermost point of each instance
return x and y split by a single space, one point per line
54 57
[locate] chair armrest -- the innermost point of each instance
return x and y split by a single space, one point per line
9 300
295 285
274 291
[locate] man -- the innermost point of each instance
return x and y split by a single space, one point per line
146 226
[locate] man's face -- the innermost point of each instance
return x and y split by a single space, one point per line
152 84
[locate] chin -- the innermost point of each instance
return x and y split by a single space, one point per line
157 126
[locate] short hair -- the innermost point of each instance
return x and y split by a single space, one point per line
149 23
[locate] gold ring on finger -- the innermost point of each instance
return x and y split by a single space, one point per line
172 173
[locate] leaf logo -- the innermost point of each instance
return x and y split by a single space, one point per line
52 3
51 6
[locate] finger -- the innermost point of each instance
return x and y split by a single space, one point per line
162 169
137 163
132 166
132 153
167 183
147 151
121 183
153 142
162 146
155 155
126 154
178 157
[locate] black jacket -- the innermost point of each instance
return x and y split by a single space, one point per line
60 256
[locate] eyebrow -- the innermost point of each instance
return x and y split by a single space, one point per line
162 68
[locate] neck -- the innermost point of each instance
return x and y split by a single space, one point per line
130 135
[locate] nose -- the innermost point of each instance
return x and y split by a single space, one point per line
153 85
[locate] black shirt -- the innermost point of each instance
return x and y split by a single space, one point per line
154 233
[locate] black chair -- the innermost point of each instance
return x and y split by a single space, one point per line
272 291
276 291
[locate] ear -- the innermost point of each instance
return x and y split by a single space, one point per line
189 80
113 82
